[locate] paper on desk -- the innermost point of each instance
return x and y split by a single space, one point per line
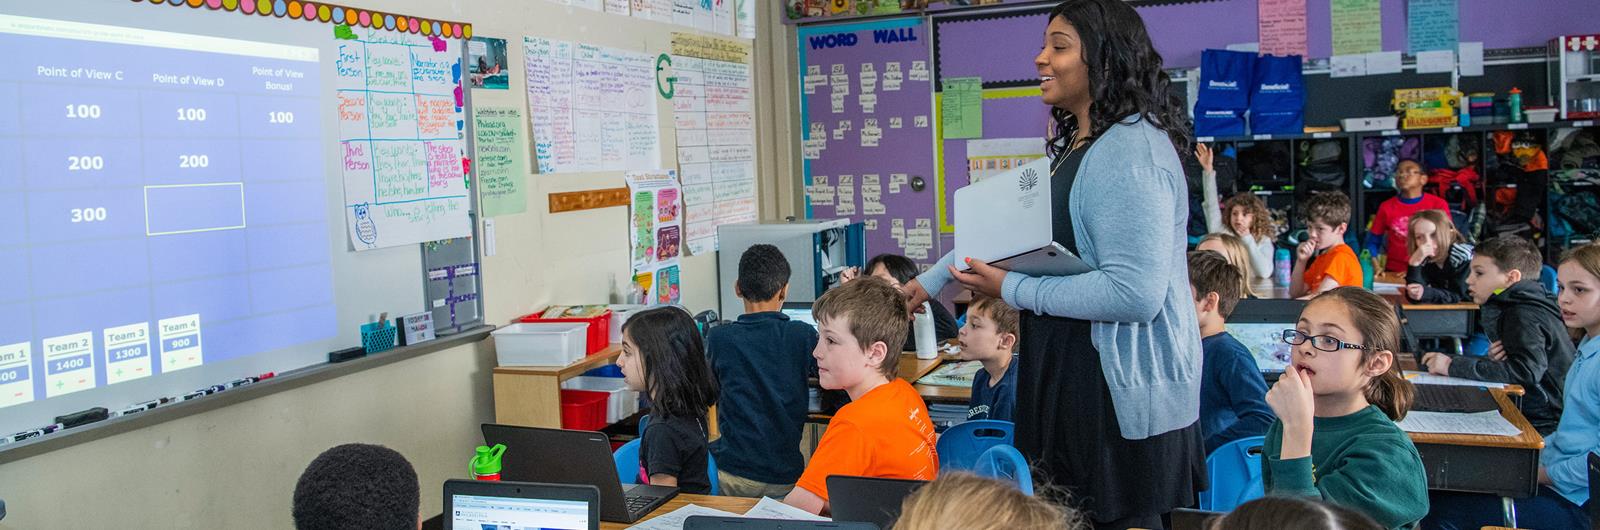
770 508
1489 423
1425 378
1386 288
673 520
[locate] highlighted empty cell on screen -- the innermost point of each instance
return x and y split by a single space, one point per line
189 208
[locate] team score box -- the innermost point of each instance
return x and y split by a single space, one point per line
188 208
68 364
16 374
180 342
127 353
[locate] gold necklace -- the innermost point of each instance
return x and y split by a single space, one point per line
1063 158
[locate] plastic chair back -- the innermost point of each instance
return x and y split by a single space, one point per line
627 461
1547 277
1235 475
1005 463
711 471
961 445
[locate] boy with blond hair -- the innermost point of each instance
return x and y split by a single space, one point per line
885 430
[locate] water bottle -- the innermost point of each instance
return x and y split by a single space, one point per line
927 343
1515 104
486 463
1282 267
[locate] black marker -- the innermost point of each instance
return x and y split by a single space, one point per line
133 409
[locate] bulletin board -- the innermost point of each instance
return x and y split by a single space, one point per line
869 155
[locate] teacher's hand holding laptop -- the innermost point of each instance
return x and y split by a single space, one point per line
1005 225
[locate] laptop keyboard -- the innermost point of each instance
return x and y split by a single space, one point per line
1449 398
639 503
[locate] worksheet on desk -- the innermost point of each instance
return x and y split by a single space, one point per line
1485 423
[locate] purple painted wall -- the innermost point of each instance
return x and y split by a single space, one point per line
1003 48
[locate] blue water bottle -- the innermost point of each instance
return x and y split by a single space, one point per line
1282 267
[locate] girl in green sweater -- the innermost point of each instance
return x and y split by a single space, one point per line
1335 437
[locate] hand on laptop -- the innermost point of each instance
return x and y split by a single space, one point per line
981 278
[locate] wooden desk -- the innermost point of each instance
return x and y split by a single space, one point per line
738 505
531 395
1506 466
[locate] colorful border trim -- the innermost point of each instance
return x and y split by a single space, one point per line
329 13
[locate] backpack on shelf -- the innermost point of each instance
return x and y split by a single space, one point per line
1380 157
1321 163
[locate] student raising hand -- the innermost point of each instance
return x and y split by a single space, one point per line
1205 157
1291 399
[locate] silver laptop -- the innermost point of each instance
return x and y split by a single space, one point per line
492 505
1005 220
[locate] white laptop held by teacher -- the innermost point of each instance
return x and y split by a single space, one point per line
1005 220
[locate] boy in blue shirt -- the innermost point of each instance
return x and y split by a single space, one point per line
762 361
1233 395
990 337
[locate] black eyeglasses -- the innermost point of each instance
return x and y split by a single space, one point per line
1327 343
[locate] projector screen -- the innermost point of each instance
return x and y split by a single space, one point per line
171 208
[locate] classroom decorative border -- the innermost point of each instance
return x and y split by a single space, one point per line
332 14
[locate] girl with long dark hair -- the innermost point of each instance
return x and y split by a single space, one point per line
663 356
1108 390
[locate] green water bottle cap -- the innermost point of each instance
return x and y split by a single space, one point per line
487 461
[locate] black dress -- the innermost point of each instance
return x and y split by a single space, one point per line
1066 423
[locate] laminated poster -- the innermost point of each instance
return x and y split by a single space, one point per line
655 232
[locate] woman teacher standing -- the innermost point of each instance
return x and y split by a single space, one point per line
1109 382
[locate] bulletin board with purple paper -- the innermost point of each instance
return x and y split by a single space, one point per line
967 47
867 135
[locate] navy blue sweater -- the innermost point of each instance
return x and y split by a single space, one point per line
762 362
1233 395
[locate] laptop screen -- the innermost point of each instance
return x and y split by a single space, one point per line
476 512
800 314
1265 341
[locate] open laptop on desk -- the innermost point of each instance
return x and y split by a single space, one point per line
1259 324
869 499
479 504
707 522
800 311
561 456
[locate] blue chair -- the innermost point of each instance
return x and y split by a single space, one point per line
627 461
961 445
1547 276
711 471
1005 463
1235 475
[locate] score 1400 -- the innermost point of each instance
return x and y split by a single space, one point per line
88 215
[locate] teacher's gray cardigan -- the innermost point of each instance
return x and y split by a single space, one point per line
1130 214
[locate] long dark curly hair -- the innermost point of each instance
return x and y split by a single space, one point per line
1125 75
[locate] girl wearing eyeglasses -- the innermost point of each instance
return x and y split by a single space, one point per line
1335 437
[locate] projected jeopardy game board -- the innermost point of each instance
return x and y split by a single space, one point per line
163 204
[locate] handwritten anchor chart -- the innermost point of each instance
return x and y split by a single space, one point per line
591 108
401 136
151 195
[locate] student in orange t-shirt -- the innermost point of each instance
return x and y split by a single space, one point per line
884 431
1331 262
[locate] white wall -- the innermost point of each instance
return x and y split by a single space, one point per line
235 467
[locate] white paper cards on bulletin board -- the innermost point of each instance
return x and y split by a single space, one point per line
401 135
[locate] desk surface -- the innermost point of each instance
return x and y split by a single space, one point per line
1527 439
737 505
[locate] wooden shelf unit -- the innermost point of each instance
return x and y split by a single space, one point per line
531 395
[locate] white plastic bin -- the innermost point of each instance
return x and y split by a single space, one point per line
619 316
540 343
622 403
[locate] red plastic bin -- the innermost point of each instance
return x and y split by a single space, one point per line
599 337
582 410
